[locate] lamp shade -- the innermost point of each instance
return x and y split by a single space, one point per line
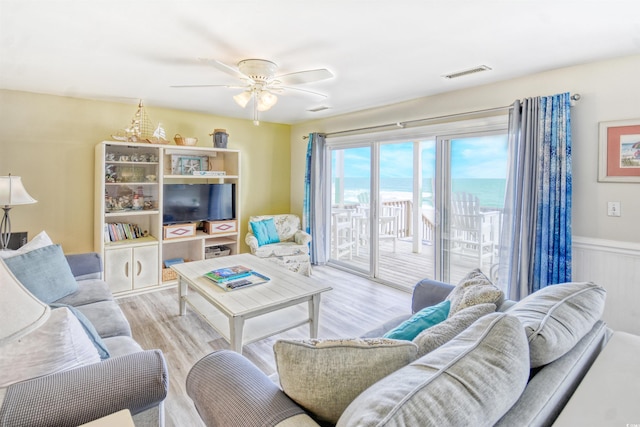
12 192
266 100
21 311
242 99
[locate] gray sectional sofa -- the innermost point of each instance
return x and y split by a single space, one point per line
518 366
130 378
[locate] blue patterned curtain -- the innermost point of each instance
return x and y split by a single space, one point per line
553 226
316 198
535 246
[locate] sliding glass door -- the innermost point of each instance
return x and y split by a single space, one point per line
408 209
380 208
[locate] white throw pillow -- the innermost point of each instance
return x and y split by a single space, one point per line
41 240
58 345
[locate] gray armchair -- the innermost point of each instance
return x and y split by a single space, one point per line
132 378
136 381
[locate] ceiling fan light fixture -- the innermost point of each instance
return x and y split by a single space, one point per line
242 99
266 100
260 83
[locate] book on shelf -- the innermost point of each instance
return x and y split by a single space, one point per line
169 262
117 231
250 279
228 273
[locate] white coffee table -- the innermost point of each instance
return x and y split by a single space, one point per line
250 314
120 419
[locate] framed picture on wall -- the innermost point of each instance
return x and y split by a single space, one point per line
619 159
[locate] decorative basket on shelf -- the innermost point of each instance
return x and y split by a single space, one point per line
168 274
184 141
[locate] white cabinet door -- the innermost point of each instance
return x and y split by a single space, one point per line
117 269
129 268
145 266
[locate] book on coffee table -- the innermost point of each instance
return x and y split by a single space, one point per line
251 279
228 273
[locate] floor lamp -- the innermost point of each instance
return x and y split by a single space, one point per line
12 193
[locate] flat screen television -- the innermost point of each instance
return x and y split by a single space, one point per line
198 202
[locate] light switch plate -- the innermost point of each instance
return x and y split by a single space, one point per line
613 208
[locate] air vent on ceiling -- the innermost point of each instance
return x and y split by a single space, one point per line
473 70
318 109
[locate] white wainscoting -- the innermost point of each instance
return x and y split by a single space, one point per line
616 266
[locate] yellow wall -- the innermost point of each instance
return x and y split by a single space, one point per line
609 92
49 141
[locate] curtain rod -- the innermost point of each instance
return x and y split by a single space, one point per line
574 97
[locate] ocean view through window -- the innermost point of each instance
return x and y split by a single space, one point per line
478 167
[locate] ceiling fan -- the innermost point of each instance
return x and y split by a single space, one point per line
261 84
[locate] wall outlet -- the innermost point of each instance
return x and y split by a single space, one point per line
613 208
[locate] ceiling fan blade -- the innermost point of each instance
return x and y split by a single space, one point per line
225 68
301 77
300 90
227 86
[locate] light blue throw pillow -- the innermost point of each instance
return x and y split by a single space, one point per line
88 328
265 231
45 272
425 318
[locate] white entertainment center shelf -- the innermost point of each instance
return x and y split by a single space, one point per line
132 242
132 212
210 177
201 235
129 197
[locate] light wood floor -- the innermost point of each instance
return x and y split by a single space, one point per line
354 306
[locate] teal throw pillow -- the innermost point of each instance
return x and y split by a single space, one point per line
425 318
272 233
265 231
89 329
260 231
45 272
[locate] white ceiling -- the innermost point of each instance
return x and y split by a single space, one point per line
381 52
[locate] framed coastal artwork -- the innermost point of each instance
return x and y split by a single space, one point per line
619 159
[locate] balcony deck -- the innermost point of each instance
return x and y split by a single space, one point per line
404 268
